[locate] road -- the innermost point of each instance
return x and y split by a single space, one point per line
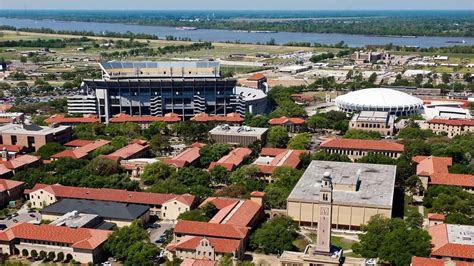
156 233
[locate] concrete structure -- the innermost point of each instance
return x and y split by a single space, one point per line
367 57
434 170
121 214
452 127
238 135
445 109
250 100
452 241
360 191
294 69
74 219
225 234
358 148
292 124
380 100
411 73
81 104
10 190
381 122
80 244
157 88
32 136
71 121
43 195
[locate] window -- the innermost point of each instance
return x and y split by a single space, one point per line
13 140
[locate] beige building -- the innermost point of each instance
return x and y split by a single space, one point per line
79 244
381 122
360 191
33 136
238 135
10 190
452 127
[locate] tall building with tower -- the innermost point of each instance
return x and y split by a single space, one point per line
323 243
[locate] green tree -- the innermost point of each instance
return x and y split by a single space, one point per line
372 78
446 78
219 175
362 134
275 236
210 153
193 215
154 172
156 128
285 179
414 219
158 144
103 167
119 142
49 149
376 158
277 137
119 243
141 253
299 141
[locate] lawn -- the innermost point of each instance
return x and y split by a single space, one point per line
338 241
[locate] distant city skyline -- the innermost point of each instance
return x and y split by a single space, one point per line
240 5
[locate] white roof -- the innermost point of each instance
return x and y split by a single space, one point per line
414 72
378 97
250 94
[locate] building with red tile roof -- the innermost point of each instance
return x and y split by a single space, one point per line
131 151
257 81
198 262
271 158
187 157
81 244
435 219
9 117
13 149
42 195
81 152
419 261
225 234
358 148
78 143
292 124
232 118
256 77
9 166
452 241
232 160
434 170
10 190
452 127
71 121
145 121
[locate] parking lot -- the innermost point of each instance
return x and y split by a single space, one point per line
156 233
22 217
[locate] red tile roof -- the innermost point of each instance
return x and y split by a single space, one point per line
437 168
104 194
257 194
6 184
81 238
5 107
196 262
62 119
462 180
436 216
233 211
453 122
194 228
233 159
363 144
418 261
256 77
78 143
6 120
168 118
19 162
232 118
187 199
444 248
12 148
186 157
282 157
219 244
285 120
127 151
82 151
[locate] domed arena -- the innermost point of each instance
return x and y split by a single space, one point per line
380 99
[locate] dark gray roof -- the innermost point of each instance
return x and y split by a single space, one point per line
105 209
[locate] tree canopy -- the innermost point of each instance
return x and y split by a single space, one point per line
299 141
275 236
277 137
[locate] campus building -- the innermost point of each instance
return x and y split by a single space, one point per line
453 242
157 88
358 148
381 122
243 135
360 191
10 190
452 127
32 136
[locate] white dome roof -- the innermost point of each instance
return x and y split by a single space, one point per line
378 98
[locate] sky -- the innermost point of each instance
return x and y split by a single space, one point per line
240 4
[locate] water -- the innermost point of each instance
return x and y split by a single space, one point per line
247 37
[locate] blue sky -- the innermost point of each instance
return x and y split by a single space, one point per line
241 4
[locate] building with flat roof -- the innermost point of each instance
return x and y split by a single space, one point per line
360 191
452 127
157 88
80 244
42 195
121 214
381 122
33 136
74 219
81 104
251 100
452 241
358 148
243 135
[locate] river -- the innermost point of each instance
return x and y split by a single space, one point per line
247 37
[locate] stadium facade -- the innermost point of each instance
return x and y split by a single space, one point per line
186 88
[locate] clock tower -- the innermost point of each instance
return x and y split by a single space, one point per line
325 215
